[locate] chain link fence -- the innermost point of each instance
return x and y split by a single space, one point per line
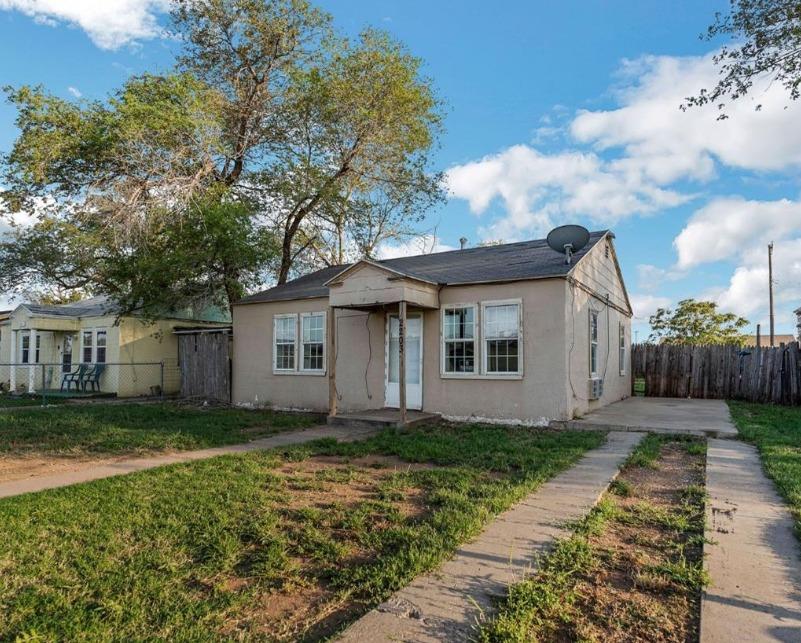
47 383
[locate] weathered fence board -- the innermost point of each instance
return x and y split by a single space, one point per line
205 363
720 372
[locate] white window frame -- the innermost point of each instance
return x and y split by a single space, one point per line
476 343
23 358
96 344
94 332
622 351
284 371
593 343
520 351
302 345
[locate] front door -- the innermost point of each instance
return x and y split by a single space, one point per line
414 362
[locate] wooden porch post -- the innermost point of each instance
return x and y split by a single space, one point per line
332 361
402 361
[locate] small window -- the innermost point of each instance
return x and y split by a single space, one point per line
593 343
87 343
25 348
100 352
285 335
622 348
38 349
459 339
66 355
312 344
502 339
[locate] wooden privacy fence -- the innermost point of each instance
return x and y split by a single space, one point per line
204 357
770 375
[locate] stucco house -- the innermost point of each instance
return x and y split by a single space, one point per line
506 332
40 344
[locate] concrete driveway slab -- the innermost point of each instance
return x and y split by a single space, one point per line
709 418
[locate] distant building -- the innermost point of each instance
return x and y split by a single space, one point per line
764 340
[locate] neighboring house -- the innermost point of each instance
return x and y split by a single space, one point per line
58 338
503 332
764 340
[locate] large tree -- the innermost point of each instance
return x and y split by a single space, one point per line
271 126
766 38
696 322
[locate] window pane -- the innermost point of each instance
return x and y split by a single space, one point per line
502 356
458 323
313 357
285 356
101 338
87 346
460 357
312 328
501 321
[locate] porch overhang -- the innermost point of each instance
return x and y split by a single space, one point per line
367 285
41 323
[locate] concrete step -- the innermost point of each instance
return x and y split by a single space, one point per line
381 419
582 425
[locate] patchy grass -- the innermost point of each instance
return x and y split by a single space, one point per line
632 570
776 431
285 545
94 429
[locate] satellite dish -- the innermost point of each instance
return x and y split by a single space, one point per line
568 239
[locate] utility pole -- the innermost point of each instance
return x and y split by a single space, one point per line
770 284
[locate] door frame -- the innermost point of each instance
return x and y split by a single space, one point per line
387 322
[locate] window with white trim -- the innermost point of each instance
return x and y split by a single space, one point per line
25 348
502 341
459 339
87 346
284 341
101 337
593 343
621 351
312 345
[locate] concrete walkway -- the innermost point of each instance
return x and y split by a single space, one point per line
706 418
755 559
446 604
90 472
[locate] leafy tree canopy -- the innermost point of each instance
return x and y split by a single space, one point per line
696 322
274 143
766 38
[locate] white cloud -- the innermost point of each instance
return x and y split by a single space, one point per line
645 305
538 190
650 277
627 160
664 144
727 227
421 245
110 24
74 91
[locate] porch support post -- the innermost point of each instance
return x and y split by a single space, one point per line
31 359
402 362
13 360
331 358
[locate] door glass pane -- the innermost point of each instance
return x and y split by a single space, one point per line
413 347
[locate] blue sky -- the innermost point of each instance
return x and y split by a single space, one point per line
556 112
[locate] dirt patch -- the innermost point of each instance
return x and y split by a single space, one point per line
647 584
329 508
22 467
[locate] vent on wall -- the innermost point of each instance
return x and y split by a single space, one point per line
596 388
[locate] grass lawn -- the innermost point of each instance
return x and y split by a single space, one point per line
95 429
13 401
776 431
279 545
632 570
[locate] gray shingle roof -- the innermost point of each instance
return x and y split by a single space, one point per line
504 262
93 307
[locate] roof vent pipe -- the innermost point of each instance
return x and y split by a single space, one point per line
463 243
